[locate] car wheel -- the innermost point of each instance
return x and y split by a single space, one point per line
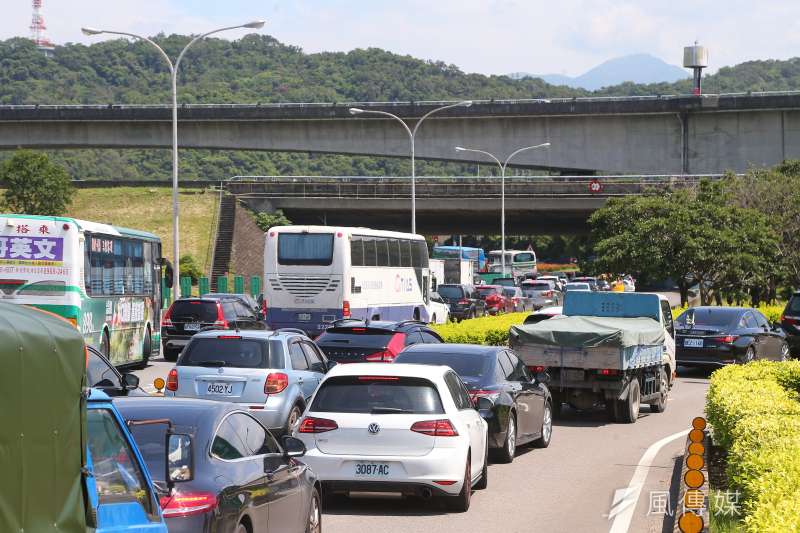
661 405
314 514
509 449
547 427
460 503
629 408
749 355
484 481
784 356
291 420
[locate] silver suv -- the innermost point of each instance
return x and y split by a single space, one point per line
272 374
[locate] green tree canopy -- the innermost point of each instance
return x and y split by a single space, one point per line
34 185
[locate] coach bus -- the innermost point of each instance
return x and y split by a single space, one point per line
314 275
462 252
104 279
519 263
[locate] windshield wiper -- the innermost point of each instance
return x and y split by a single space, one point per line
388 410
213 363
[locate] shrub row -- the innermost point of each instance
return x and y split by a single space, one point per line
772 312
755 414
488 330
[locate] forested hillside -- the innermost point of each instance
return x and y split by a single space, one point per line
260 69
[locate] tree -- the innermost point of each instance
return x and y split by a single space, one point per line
34 185
269 220
190 268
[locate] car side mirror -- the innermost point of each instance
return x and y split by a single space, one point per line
293 447
331 364
318 367
130 381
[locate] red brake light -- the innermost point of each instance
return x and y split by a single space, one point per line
229 336
358 330
317 425
608 372
276 382
395 346
537 369
445 483
172 380
221 317
463 302
264 309
189 504
345 309
727 339
166 320
435 428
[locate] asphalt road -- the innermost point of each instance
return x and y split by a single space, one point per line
568 487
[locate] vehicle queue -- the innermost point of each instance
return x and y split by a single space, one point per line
345 389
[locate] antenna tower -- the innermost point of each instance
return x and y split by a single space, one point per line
38 29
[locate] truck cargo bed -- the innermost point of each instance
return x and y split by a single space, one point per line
626 358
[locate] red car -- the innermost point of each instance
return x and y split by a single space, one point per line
496 301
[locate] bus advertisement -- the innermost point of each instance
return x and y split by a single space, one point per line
315 275
105 280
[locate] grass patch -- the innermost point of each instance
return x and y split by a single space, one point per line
150 209
721 517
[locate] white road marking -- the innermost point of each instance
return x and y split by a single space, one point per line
622 521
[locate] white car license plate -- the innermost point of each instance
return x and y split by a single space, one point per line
225 389
693 343
304 317
372 469
194 326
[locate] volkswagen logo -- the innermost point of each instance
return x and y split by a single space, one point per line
373 429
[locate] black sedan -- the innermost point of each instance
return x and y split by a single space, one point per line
716 336
229 473
522 410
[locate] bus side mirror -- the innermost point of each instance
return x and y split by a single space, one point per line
168 273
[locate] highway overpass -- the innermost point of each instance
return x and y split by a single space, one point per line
650 135
462 205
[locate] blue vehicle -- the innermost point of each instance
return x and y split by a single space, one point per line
69 462
466 253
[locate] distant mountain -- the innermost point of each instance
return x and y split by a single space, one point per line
637 68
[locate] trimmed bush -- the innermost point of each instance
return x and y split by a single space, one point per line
755 414
772 312
488 330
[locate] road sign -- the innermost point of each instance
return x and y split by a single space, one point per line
595 186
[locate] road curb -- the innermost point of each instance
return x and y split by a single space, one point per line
683 489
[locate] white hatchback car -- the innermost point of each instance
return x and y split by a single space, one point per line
409 429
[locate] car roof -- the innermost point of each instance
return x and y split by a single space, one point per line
247 334
387 325
454 349
183 412
385 369
720 310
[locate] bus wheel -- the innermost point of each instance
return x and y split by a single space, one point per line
105 344
147 347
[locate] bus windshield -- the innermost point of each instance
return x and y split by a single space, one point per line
305 249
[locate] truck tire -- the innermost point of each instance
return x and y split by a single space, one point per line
660 405
628 409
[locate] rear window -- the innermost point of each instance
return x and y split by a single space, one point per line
194 311
465 365
486 291
305 249
450 291
709 317
378 395
236 353
793 307
536 286
358 337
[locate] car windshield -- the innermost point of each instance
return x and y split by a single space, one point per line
194 311
577 287
709 317
232 351
450 291
465 365
377 394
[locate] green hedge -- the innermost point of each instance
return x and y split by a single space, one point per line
488 330
755 414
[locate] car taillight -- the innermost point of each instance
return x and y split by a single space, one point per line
172 380
548 294
166 320
790 320
345 309
396 344
463 302
727 339
221 317
276 382
537 369
608 372
188 504
311 424
435 428
264 309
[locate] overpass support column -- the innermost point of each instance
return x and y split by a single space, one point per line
684 119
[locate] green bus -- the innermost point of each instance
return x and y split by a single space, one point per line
104 279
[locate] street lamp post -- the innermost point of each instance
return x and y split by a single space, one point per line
173 70
502 166
412 135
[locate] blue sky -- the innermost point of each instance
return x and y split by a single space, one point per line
486 36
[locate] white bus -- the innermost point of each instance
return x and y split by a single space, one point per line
314 275
518 262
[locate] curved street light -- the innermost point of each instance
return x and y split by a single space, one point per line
173 70
502 166
412 135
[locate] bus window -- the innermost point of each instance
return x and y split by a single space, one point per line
357 251
370 256
405 253
394 252
382 251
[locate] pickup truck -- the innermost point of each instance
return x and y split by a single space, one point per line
615 349
68 461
